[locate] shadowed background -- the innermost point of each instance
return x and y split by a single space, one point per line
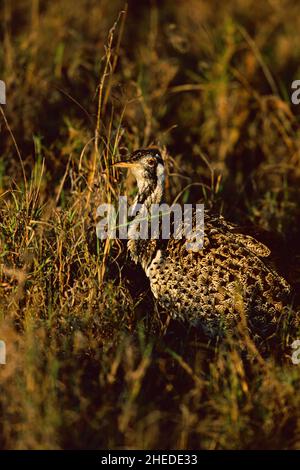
91 362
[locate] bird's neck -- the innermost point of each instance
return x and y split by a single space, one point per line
142 248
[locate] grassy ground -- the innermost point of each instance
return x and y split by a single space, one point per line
91 362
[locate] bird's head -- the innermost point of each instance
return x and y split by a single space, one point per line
147 166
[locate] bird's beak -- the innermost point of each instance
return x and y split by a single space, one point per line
125 164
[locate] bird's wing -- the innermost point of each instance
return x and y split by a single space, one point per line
249 242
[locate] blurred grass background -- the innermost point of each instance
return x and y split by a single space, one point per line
91 362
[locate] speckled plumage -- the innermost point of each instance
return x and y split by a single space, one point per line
214 286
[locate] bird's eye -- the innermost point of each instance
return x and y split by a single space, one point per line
151 162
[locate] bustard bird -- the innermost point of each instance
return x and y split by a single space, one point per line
209 287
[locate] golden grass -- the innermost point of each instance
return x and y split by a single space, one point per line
91 362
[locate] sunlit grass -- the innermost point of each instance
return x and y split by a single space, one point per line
91 361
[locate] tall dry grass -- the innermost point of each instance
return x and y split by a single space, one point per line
91 361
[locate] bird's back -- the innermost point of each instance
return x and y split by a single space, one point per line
215 285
